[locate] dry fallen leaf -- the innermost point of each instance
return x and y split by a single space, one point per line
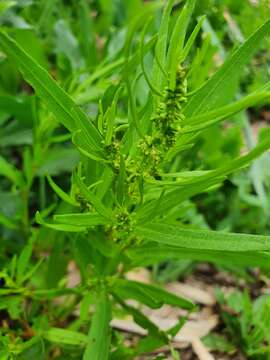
200 350
192 293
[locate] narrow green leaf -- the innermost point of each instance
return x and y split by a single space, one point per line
154 253
147 79
186 174
32 270
10 172
120 187
222 86
244 160
160 295
52 293
59 227
222 171
207 119
99 338
172 198
143 321
129 290
85 305
191 40
110 115
177 40
93 199
57 100
161 46
183 178
63 195
78 142
132 107
66 337
106 184
81 219
84 133
175 235
23 261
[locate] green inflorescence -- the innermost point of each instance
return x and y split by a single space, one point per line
166 124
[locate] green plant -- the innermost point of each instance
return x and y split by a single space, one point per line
246 323
124 207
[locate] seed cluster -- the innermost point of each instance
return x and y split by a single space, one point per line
166 124
122 230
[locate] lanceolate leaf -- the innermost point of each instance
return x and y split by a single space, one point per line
161 46
83 219
158 294
219 89
151 86
175 235
207 119
177 39
222 171
127 290
154 253
64 196
222 86
191 40
68 337
99 337
59 227
243 160
93 199
170 199
229 167
57 100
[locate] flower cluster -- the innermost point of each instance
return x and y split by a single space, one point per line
166 124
